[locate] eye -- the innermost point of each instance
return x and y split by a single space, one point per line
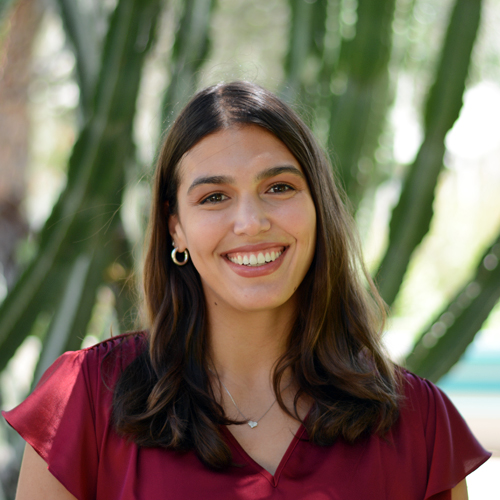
280 188
213 198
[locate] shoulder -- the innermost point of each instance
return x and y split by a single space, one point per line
421 397
412 384
109 357
418 399
67 418
87 374
125 347
121 349
428 416
102 364
432 430
416 388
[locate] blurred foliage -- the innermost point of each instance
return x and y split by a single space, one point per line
82 234
337 61
412 215
442 344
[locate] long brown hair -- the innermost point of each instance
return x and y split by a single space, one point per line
164 398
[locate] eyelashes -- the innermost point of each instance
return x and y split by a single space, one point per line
278 188
213 199
281 187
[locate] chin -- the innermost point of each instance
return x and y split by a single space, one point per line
259 304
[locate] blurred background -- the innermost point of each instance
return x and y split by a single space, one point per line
403 94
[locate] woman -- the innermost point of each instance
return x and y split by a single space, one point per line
261 375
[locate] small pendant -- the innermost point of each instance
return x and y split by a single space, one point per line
252 424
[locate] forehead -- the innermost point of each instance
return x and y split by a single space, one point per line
236 150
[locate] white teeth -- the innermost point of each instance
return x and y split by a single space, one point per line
255 260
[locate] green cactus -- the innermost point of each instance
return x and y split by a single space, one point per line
412 215
80 26
84 217
358 112
190 50
442 343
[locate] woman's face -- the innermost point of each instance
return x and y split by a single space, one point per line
246 215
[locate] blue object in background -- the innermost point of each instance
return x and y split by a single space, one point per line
478 371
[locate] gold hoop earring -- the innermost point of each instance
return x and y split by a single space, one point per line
174 257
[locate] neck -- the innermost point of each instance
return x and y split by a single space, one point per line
244 346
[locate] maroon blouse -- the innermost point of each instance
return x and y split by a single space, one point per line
67 421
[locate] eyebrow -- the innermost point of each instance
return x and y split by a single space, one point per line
280 169
265 174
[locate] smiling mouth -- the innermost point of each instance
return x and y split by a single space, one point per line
256 259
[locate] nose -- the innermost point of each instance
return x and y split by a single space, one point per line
250 217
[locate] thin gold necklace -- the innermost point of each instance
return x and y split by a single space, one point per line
252 423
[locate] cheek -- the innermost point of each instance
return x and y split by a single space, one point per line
305 224
301 222
206 231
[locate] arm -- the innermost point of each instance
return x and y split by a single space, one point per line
36 482
459 492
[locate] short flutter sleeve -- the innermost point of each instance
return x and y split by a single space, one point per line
65 416
452 450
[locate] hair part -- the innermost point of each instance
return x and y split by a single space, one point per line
164 398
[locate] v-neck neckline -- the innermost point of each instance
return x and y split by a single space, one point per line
273 479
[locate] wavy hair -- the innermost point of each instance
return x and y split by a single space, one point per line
164 397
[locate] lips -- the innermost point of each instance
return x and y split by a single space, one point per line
252 252
257 257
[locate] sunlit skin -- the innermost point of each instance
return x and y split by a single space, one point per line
243 192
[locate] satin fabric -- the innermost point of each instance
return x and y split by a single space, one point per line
67 420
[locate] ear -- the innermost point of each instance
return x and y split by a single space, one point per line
177 233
